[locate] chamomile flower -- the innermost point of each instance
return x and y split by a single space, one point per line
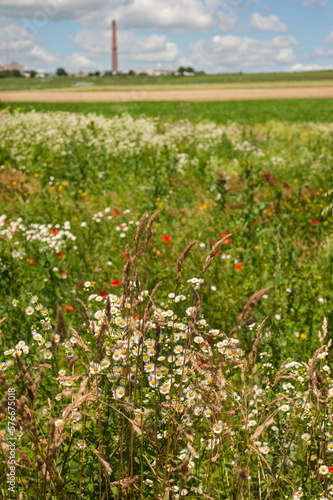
217 428
58 422
81 444
95 368
29 310
48 354
105 363
323 469
120 392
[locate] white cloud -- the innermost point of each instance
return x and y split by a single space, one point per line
308 67
225 53
329 39
40 56
310 3
13 38
131 47
154 48
81 62
227 21
41 10
323 53
270 23
19 44
177 15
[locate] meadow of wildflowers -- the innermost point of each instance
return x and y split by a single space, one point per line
198 370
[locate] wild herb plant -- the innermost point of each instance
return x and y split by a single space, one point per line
151 401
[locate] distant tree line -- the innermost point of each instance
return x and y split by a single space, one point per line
62 72
9 74
15 73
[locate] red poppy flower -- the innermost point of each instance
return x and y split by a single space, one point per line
69 308
60 255
80 285
116 211
53 230
31 261
116 282
86 200
103 293
254 223
239 266
166 239
314 222
228 240
208 340
330 468
125 256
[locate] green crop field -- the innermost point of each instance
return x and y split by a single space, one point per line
288 110
121 82
165 269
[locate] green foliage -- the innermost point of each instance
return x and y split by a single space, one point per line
61 72
73 189
251 112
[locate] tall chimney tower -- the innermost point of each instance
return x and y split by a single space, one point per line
114 48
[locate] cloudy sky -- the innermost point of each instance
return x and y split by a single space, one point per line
210 35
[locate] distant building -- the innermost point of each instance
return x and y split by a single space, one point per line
12 66
37 74
159 72
82 73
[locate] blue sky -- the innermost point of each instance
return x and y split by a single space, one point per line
210 35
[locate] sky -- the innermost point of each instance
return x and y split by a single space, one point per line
215 36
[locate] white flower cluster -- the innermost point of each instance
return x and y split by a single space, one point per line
52 237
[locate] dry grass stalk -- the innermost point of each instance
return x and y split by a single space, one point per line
268 422
79 340
140 228
149 231
1 321
85 313
103 462
280 372
207 496
73 378
151 296
126 283
321 336
253 353
181 260
3 381
128 482
61 327
108 309
213 253
253 300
